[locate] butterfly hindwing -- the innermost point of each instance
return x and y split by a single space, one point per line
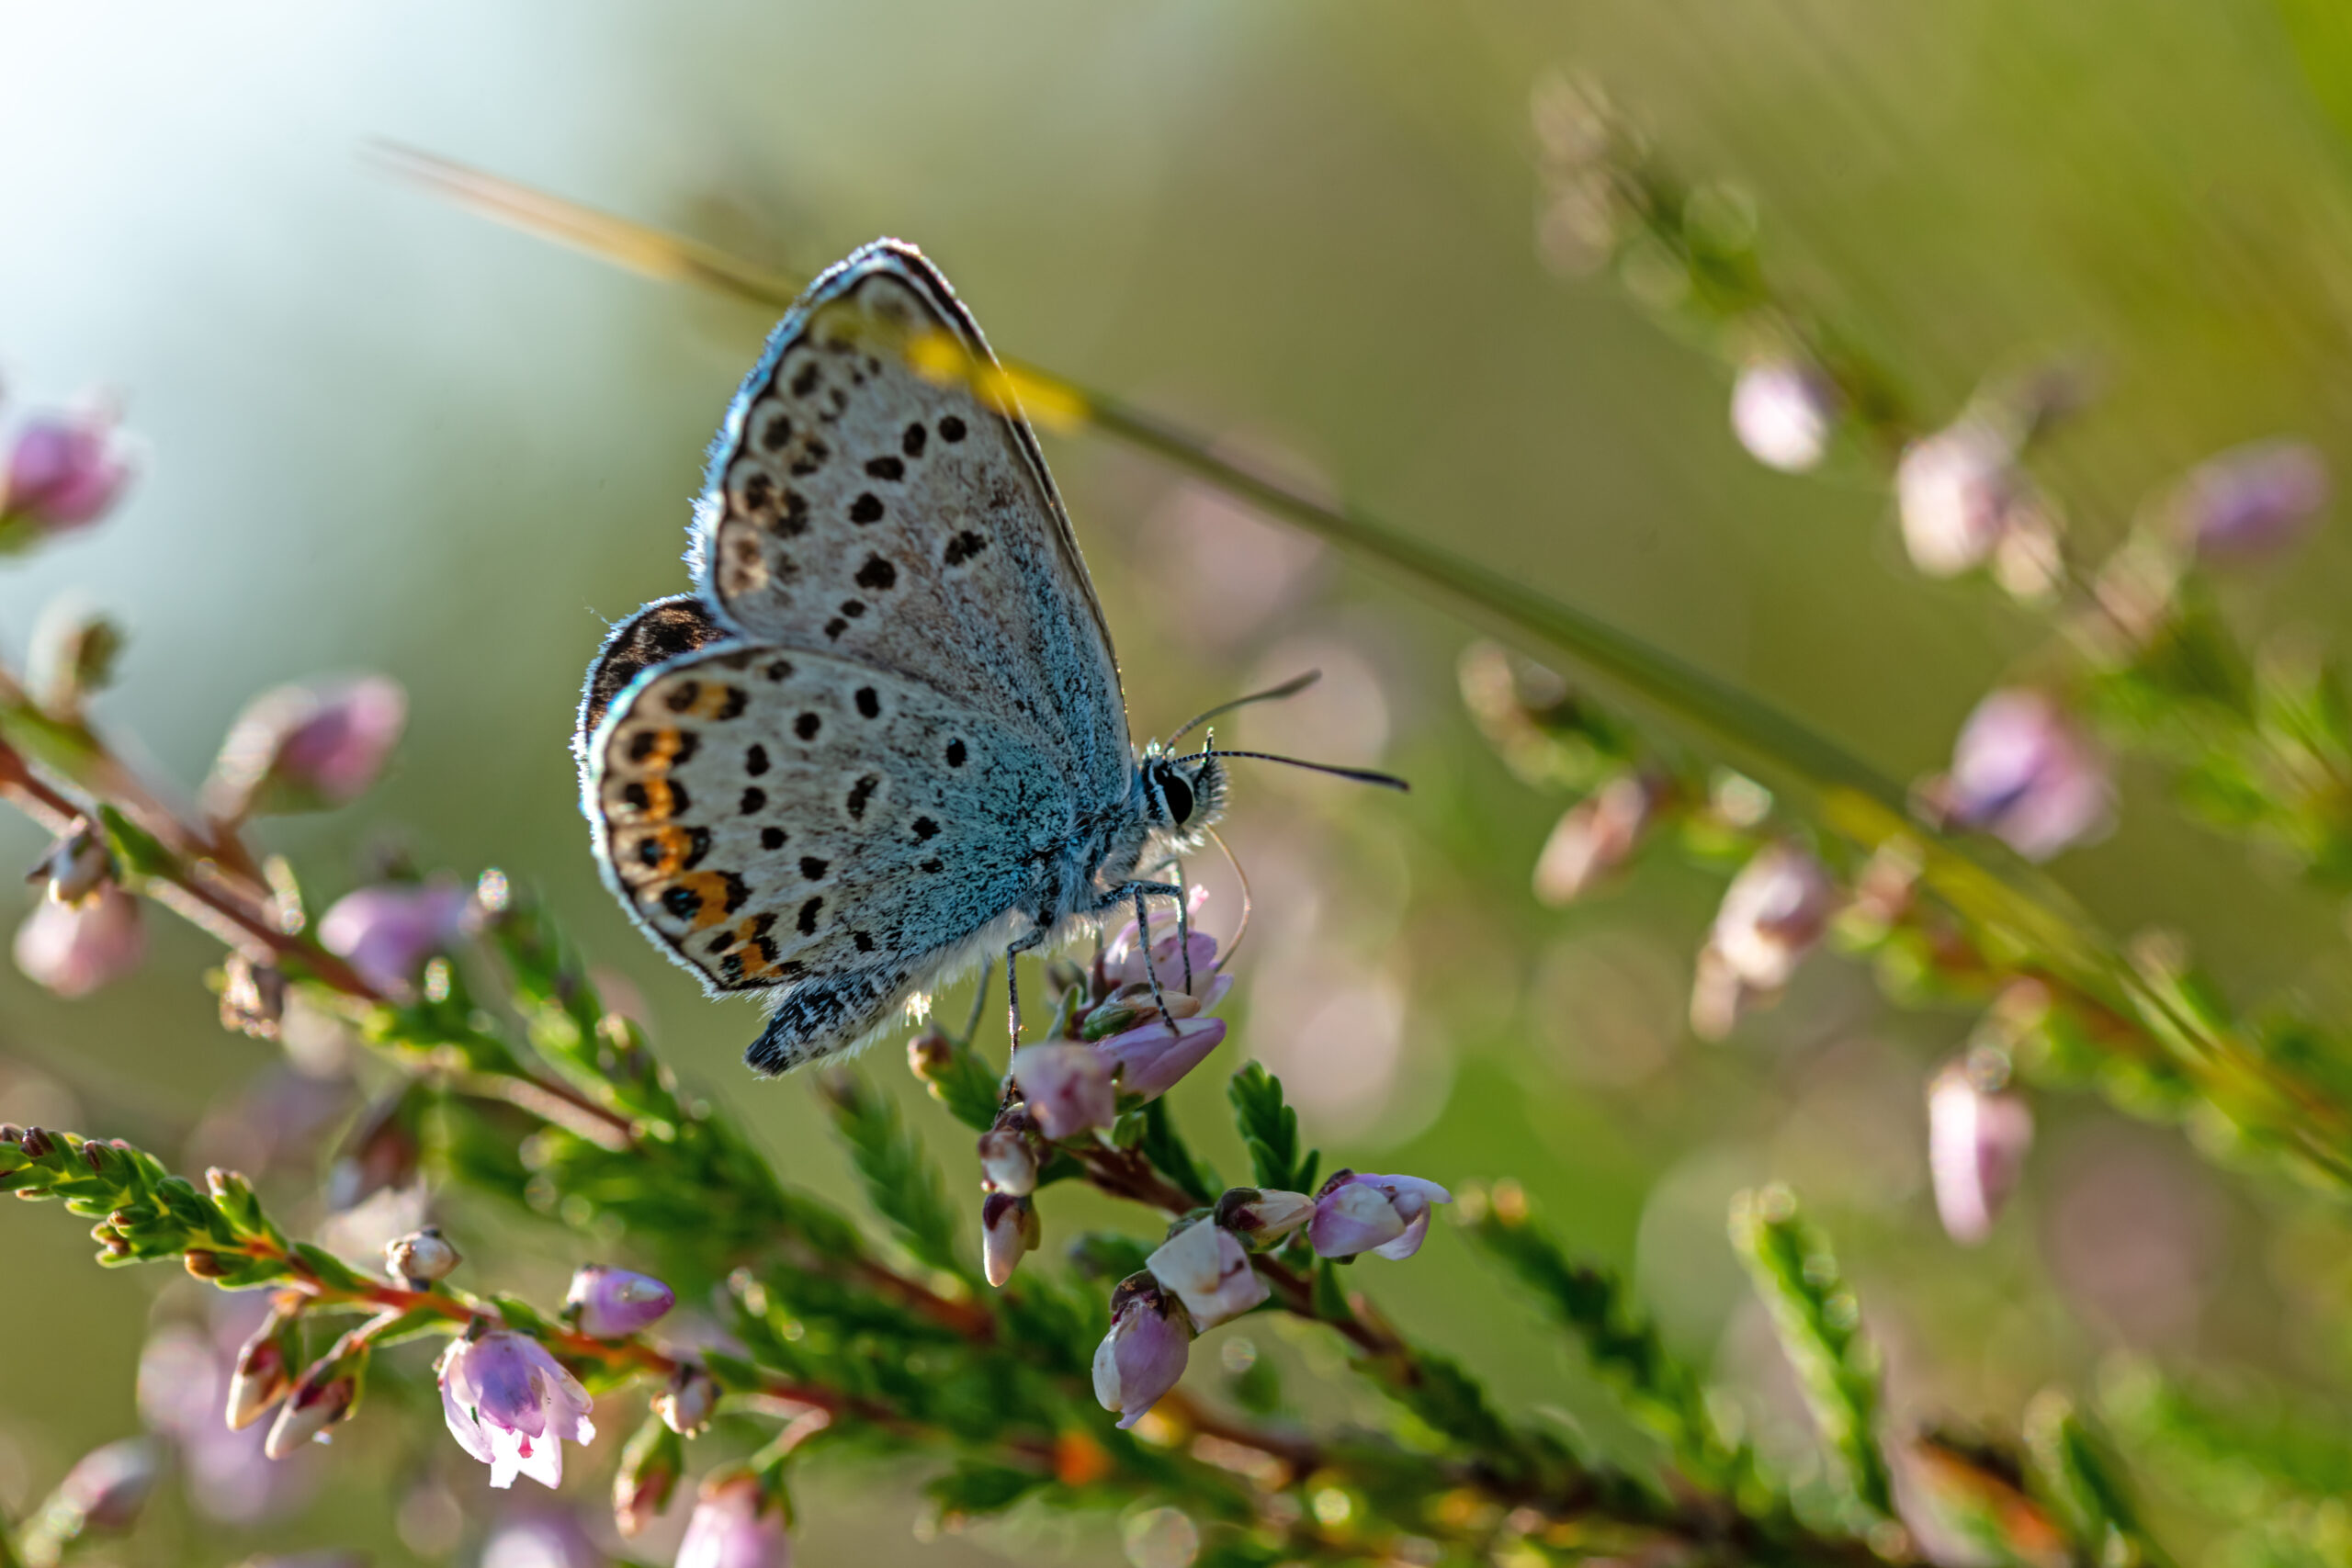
864 502
778 818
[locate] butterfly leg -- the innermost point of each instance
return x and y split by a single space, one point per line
1012 980
1136 893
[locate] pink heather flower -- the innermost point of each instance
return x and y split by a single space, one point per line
1009 1228
1262 1218
1143 1354
1209 1271
2023 771
306 748
1772 915
1385 1215
107 1486
736 1524
2251 501
1592 839
64 473
687 1401
1782 413
388 932
1009 1158
540 1538
322 1396
73 949
1959 494
1152 1058
1125 963
512 1405
1067 1087
605 1303
1977 1139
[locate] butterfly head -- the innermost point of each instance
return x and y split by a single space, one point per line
1181 795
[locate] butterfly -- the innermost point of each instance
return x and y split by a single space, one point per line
884 737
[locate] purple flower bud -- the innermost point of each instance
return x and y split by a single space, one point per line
1009 1158
1209 1271
1959 492
421 1258
389 931
1595 837
1067 1089
612 1303
1125 963
736 1524
265 1372
1143 1354
2023 771
685 1403
1385 1215
74 949
512 1405
107 1486
1782 413
1154 1058
306 748
2251 501
63 474
1261 1218
1008 1228
323 1397
1977 1139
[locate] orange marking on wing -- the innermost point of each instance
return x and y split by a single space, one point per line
710 887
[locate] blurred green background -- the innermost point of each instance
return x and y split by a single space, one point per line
382 433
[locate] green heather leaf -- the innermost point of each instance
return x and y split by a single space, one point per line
974 1490
900 1181
1269 1131
1164 1147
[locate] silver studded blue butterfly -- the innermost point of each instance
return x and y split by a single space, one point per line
883 738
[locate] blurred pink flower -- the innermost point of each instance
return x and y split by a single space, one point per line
1593 838
1782 411
1067 1087
388 932
1385 1215
1209 1271
2251 501
513 1405
1977 1140
1773 914
73 949
307 747
1142 1356
64 473
736 1524
107 1486
1961 496
605 1303
2023 771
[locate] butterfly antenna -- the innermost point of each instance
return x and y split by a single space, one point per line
1361 775
1289 688
1242 877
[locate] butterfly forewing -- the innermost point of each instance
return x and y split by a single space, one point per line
865 501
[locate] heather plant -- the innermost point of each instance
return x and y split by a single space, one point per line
725 1328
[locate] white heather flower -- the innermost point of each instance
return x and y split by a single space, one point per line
1959 492
1262 1217
1009 1228
1209 1271
1977 1140
512 1405
1782 413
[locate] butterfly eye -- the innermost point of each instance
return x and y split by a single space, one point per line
1178 795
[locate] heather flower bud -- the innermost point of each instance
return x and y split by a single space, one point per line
1142 1356
1978 1135
1152 1059
73 949
1594 837
324 1396
2252 501
2023 771
685 1404
1067 1089
511 1404
605 1303
253 996
1385 1215
63 474
306 748
1773 914
1782 411
929 1054
105 1490
1262 1218
1009 1158
647 1476
738 1523
264 1370
77 866
421 1258
1008 1229
389 931
1960 494
1209 1271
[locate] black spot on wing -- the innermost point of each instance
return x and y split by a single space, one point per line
867 508
915 439
878 574
869 704
860 793
951 429
771 838
806 726
755 761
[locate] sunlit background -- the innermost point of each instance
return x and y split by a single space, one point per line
381 434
